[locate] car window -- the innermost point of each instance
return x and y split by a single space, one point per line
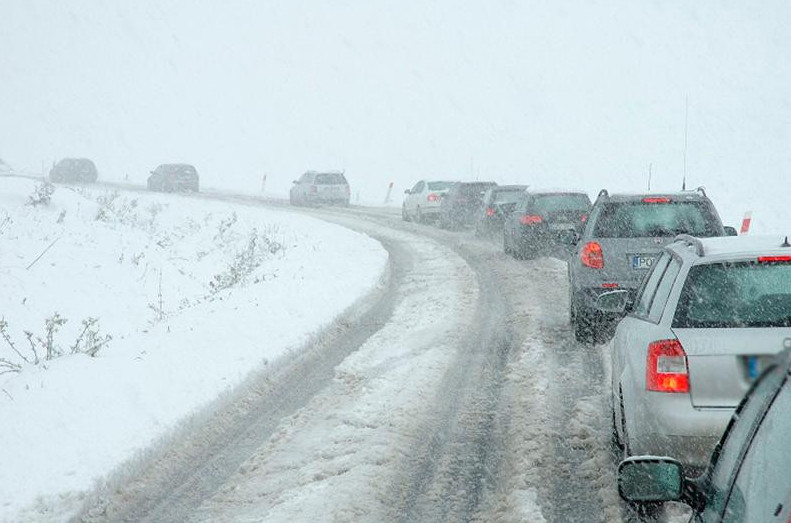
649 287
306 178
737 435
659 301
641 220
418 188
762 489
439 186
330 179
562 202
736 295
510 196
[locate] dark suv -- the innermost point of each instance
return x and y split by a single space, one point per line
461 203
172 177
542 219
622 237
74 170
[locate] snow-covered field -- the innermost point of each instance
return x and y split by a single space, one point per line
193 294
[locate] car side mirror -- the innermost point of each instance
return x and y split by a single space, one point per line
613 301
407 192
295 181
650 479
730 231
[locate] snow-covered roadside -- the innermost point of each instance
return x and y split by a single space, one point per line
195 295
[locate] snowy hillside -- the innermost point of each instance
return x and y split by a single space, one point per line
188 297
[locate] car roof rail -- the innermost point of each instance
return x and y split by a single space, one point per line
603 194
701 190
692 241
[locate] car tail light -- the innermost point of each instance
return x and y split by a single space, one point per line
584 218
592 255
609 285
531 219
666 367
656 200
433 197
489 212
773 259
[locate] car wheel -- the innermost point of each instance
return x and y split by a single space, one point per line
419 215
506 249
404 214
582 323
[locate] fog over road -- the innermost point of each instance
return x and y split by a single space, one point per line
454 392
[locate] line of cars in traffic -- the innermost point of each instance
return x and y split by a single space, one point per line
696 318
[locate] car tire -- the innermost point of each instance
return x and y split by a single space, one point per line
617 441
404 214
506 248
419 218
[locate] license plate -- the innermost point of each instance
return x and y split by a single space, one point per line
642 261
755 366
560 226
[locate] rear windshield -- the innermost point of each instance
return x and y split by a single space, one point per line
180 169
439 186
642 220
509 196
562 202
473 189
330 179
733 295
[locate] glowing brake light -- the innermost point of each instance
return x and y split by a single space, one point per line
656 200
433 197
531 219
773 259
592 256
666 367
489 212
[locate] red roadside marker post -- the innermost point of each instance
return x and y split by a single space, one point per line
748 218
389 192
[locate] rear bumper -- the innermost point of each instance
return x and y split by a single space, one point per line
668 425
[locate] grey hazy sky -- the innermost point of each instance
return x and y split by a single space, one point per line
584 93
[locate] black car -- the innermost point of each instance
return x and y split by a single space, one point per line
172 177
747 478
461 203
542 219
498 202
74 170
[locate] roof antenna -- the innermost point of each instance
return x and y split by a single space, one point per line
785 243
686 127
650 167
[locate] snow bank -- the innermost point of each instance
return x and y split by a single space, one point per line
195 295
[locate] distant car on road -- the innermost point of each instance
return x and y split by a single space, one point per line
317 187
70 170
747 479
172 177
543 219
461 203
498 202
709 317
621 239
422 201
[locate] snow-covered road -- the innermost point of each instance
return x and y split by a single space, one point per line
454 391
470 401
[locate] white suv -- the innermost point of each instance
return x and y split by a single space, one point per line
707 319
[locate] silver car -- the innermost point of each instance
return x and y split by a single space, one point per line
315 187
708 318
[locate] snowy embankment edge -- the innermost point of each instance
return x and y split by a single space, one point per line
211 420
